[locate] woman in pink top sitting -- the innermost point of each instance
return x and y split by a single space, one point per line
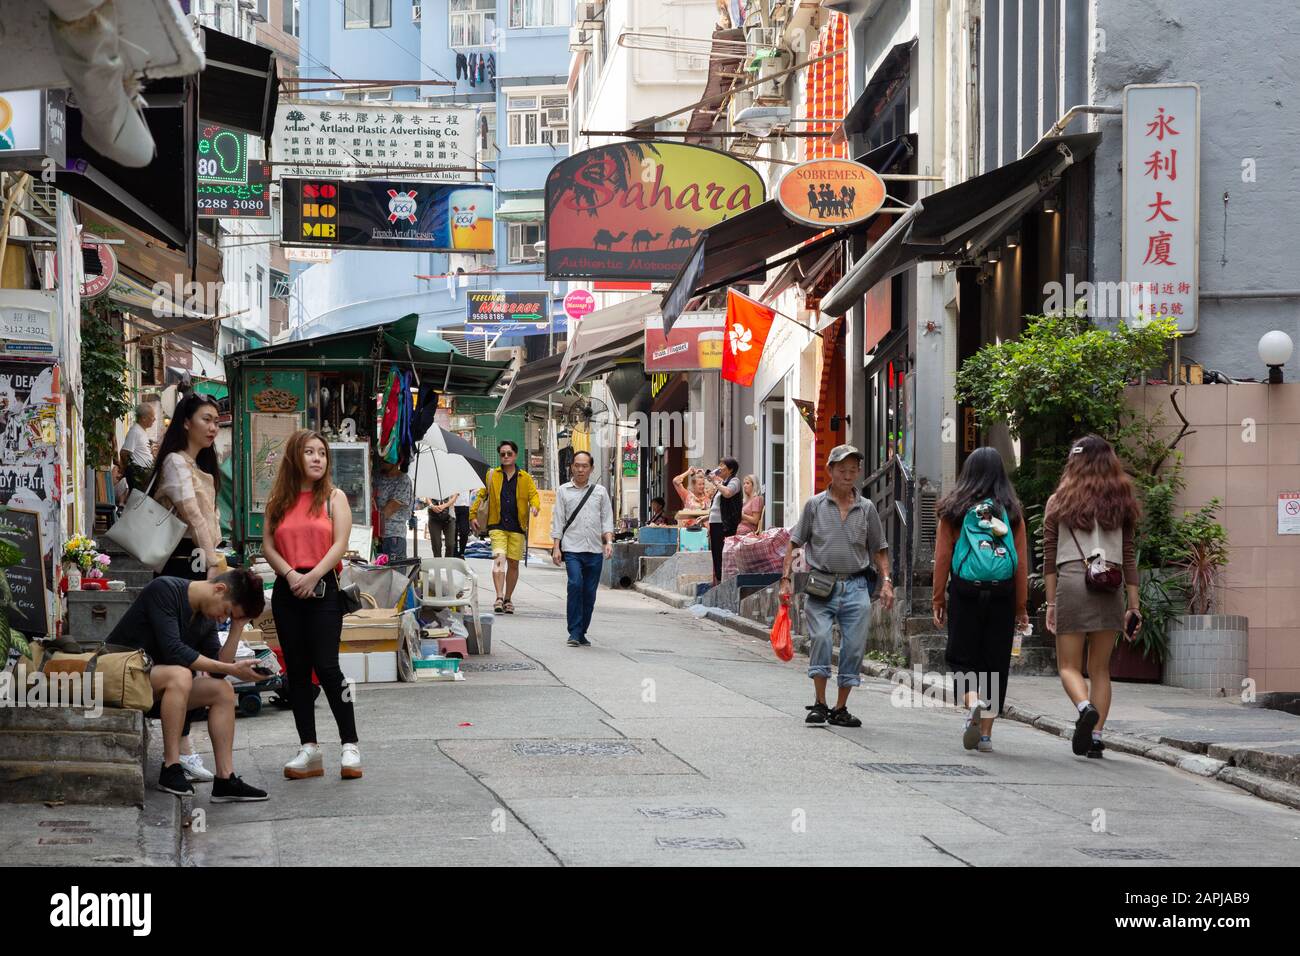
306 533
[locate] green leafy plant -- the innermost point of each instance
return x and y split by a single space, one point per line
891 658
103 381
10 554
1161 600
1202 554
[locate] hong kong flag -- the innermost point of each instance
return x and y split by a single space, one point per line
748 323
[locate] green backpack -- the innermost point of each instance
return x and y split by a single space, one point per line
979 554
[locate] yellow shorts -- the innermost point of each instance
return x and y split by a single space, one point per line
509 543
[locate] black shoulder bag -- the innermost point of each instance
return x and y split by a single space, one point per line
569 523
350 596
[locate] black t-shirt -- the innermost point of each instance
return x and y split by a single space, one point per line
162 623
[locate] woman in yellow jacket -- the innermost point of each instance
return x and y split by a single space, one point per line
512 497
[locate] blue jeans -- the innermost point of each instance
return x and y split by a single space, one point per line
584 581
850 606
394 547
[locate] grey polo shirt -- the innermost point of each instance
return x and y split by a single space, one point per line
834 545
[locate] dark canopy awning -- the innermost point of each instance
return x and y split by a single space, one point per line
443 370
738 249
536 380
895 68
240 85
959 222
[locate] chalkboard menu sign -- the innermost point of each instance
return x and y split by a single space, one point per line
30 614
350 470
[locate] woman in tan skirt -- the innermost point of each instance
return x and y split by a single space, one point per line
1088 533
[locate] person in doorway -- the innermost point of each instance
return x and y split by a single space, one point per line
751 513
187 479
442 526
1088 523
981 587
582 527
724 512
307 525
137 455
512 499
657 517
174 620
840 533
393 496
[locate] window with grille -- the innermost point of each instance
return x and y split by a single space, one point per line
471 22
538 119
532 13
524 237
367 14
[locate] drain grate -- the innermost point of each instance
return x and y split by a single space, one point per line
1122 853
923 769
698 843
497 666
655 650
680 813
575 748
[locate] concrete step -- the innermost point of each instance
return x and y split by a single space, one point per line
72 782
650 564
921 624
113 720
71 745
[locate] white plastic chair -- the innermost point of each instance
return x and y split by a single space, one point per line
444 582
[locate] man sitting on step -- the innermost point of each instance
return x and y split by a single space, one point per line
175 622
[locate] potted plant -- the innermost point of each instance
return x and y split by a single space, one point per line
1207 651
79 554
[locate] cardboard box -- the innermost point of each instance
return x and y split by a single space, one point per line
353 666
372 624
381 668
368 647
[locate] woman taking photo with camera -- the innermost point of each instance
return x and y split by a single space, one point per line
1090 567
307 526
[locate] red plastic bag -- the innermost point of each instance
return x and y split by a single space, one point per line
781 642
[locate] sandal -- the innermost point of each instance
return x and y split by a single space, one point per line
507 607
499 607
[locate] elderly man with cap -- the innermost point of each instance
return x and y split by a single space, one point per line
841 534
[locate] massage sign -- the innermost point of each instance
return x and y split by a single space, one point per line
636 210
831 192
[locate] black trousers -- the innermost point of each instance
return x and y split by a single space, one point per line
717 535
462 529
181 565
309 630
981 625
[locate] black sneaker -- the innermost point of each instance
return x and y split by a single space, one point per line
816 714
172 780
840 717
573 642
1083 728
233 790
583 642
1095 749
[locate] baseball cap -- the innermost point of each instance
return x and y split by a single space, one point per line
840 452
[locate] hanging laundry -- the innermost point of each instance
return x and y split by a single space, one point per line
483 131
462 66
492 71
473 69
390 412
482 66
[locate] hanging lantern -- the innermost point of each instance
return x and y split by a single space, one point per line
626 380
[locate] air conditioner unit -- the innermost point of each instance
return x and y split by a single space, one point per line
557 116
415 12
579 40
586 10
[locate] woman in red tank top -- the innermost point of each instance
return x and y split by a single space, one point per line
307 525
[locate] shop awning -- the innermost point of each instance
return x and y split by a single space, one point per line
807 269
163 315
532 209
739 248
607 325
894 69
959 222
240 85
536 380
441 368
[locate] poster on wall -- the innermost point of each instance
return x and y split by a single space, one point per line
387 214
693 344
316 139
635 210
29 444
270 433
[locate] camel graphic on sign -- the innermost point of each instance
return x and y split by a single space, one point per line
604 237
643 238
682 235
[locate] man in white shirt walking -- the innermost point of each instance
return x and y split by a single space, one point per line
582 527
137 450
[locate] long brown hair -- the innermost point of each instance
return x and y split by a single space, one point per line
290 477
1094 488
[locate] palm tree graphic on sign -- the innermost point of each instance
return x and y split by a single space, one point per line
740 338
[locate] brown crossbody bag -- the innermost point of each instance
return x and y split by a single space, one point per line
1099 575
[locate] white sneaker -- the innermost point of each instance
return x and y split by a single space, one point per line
306 764
350 766
195 772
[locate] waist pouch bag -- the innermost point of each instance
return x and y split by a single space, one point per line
820 584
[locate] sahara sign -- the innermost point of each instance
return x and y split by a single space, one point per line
831 192
635 210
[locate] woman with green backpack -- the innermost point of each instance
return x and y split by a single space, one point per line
981 587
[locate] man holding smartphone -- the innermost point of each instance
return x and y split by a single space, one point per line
174 621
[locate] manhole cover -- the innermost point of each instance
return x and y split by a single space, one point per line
64 841
1122 853
497 666
655 650
698 843
923 769
681 813
575 748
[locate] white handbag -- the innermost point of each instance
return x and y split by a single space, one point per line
146 530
